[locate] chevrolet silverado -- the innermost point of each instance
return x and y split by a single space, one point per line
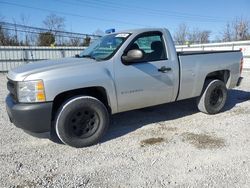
119 72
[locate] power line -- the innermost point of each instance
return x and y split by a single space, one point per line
163 11
71 14
27 28
107 4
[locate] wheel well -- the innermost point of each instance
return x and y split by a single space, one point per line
222 75
97 92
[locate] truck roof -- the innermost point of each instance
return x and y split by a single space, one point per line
141 30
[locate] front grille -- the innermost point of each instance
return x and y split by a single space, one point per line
12 87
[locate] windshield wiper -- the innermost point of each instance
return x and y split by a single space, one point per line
87 56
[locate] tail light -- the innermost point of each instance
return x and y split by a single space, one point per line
241 65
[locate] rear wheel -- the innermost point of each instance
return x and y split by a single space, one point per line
213 97
81 121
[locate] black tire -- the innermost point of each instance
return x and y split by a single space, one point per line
213 97
81 121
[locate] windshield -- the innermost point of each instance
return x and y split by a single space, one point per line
105 47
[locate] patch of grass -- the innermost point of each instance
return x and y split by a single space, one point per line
151 141
203 141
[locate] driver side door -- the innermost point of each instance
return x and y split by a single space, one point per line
145 83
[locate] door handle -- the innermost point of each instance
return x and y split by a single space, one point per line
164 69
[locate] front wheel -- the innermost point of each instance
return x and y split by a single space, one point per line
213 97
81 121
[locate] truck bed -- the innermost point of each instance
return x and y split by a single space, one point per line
196 65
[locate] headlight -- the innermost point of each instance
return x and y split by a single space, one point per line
31 91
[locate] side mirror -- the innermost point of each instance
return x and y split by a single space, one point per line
132 56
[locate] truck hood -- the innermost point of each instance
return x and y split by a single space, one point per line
19 73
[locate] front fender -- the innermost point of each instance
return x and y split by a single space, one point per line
59 81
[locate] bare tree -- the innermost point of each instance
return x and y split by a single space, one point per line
75 41
15 30
193 36
2 32
54 22
181 34
57 24
6 39
29 38
2 36
199 37
239 29
205 35
227 33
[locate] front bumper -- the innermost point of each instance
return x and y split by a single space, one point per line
34 117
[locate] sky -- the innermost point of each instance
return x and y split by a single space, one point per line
87 16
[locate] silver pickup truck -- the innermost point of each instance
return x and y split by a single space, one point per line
119 72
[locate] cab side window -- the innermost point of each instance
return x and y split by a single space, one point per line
152 46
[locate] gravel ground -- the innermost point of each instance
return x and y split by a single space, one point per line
170 145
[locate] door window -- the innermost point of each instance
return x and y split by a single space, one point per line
152 46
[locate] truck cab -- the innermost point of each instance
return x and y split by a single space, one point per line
150 80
